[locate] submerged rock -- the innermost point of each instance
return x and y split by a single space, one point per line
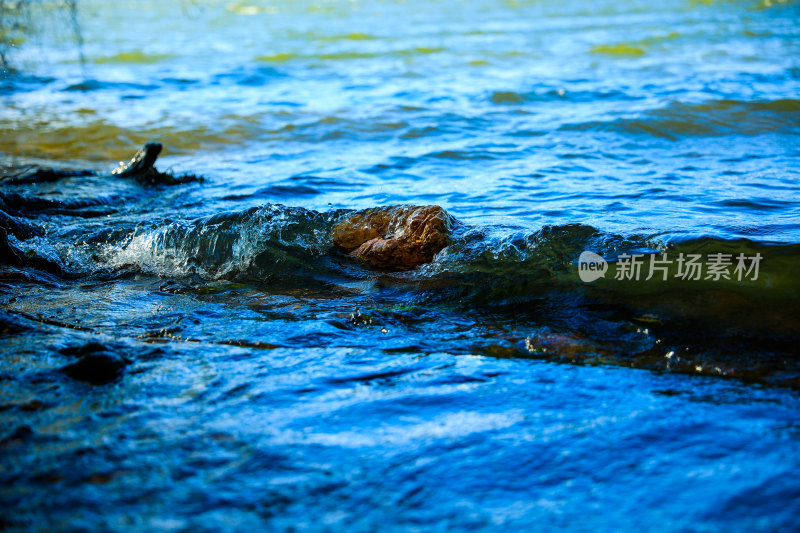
11 325
23 205
398 237
18 436
83 349
15 174
16 226
97 368
12 255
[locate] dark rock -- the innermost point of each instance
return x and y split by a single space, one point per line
97 368
9 254
19 435
142 168
142 162
16 227
83 349
22 205
11 325
23 174
12 255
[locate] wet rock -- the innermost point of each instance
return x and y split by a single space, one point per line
99 478
23 174
31 406
12 255
141 164
83 349
18 436
22 205
16 227
399 237
142 168
97 368
562 346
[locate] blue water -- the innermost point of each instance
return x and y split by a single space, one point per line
274 383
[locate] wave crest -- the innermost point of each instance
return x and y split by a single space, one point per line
258 243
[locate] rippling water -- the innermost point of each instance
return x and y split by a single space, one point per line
269 381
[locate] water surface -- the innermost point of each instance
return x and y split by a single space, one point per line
275 383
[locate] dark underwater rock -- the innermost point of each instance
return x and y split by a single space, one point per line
12 255
83 349
24 174
16 227
19 435
9 254
21 205
97 368
11 325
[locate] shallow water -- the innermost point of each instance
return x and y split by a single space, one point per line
275 382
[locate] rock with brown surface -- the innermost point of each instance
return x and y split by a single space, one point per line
398 237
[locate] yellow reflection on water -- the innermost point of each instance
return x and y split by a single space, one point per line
100 140
621 49
133 57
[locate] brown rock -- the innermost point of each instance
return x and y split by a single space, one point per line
399 237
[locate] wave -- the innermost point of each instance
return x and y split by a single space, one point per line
257 244
345 55
486 266
739 323
551 94
711 119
